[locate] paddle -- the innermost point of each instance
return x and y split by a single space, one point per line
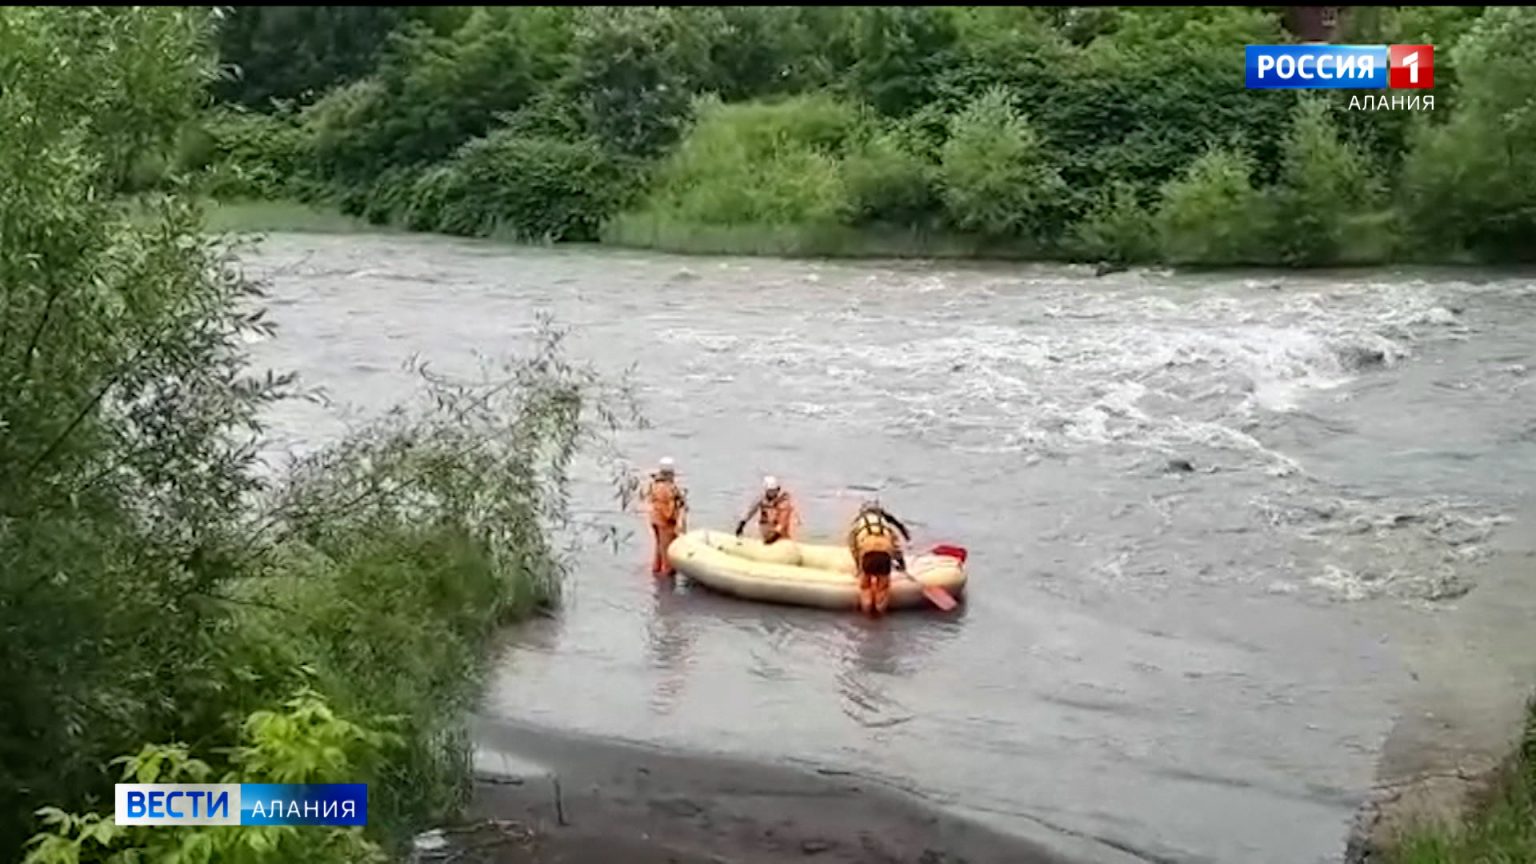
936 595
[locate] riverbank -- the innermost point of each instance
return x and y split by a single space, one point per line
1501 825
1456 782
646 233
543 796
252 217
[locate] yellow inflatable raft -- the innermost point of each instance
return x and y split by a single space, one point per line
802 574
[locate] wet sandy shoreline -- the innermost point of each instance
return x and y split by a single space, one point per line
544 796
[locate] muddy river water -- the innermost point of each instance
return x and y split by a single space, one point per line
1188 665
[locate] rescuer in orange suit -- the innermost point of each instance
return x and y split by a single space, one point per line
669 512
775 513
875 540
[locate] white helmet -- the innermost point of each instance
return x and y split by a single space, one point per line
666 465
770 483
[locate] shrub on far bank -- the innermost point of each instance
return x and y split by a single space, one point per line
1326 194
1471 183
548 123
1213 215
247 155
766 163
995 176
888 183
1117 229
533 188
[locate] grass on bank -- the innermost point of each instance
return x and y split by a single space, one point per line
1501 829
249 217
644 231
661 234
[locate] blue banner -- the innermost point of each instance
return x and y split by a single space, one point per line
1316 67
241 804
303 804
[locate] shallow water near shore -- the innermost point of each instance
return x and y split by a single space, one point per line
1193 665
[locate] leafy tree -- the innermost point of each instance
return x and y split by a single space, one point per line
889 183
632 73
156 586
434 92
127 410
1213 214
303 742
298 52
1156 91
756 51
899 53
1469 183
995 173
760 163
1119 229
1326 186
533 188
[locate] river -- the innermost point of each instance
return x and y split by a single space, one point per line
1193 665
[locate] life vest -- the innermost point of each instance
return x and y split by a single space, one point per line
666 501
871 533
774 516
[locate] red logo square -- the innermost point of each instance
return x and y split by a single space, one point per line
1411 67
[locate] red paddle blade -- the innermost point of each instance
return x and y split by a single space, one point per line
948 551
940 598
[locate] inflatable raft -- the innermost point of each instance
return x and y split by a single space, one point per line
801 574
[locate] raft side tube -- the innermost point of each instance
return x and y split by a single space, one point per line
800 574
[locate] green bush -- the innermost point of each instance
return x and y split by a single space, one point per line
899 54
888 183
1326 185
1118 229
995 176
334 125
1471 184
1213 215
760 163
1151 91
249 155
631 72
302 741
532 188
126 406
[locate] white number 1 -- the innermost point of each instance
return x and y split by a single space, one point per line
1412 62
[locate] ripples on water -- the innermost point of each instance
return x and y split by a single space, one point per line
1184 497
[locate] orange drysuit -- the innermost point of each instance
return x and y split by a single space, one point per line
775 517
667 505
876 550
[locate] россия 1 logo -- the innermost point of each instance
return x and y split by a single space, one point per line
1345 67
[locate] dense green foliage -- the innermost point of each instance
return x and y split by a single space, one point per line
1117 132
161 585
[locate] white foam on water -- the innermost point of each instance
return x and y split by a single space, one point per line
1045 382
